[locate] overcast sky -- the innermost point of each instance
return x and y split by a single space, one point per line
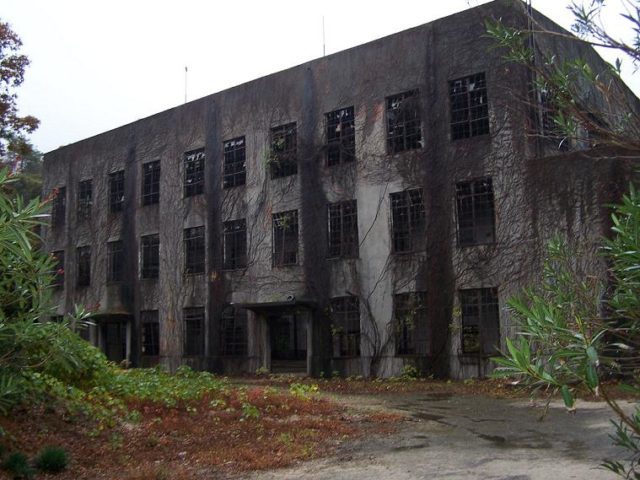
98 65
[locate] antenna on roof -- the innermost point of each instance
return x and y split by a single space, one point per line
185 83
323 38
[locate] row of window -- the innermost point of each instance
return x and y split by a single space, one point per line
233 332
480 326
476 225
469 117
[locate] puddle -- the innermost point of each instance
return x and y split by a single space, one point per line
525 443
429 416
415 446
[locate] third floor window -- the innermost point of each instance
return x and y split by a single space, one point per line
116 191
234 173
283 159
151 182
194 172
469 106
404 128
341 136
85 199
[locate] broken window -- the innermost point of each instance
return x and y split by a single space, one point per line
115 261
341 136
150 256
150 333
285 238
235 244
549 114
58 269
469 106
407 221
404 128
283 153
194 172
345 326
116 191
85 199
480 321
234 331
83 262
343 229
476 224
193 331
58 207
151 182
409 318
234 162
194 252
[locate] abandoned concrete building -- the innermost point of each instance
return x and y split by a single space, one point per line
364 211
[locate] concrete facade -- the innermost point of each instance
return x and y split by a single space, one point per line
417 286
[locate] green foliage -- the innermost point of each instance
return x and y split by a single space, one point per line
17 464
409 372
52 459
304 391
568 338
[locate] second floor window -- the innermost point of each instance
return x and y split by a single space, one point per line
151 182
343 229
235 244
59 207
234 173
85 199
115 261
469 106
341 136
476 220
194 172
116 191
404 127
407 221
283 159
83 263
194 251
285 238
150 256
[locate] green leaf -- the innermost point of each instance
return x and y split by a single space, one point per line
567 397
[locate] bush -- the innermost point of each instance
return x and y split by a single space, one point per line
17 465
52 459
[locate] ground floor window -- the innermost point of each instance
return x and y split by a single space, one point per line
234 331
150 333
193 331
345 326
409 318
480 321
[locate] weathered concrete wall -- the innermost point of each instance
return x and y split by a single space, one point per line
425 59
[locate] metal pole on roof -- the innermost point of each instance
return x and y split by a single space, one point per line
323 38
185 83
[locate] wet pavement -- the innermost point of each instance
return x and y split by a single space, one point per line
465 437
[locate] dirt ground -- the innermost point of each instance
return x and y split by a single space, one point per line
469 437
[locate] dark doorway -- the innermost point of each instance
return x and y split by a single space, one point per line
288 344
114 340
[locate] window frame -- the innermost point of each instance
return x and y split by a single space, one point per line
116 191
194 250
342 229
345 314
84 200
234 339
59 207
283 151
406 334
464 105
487 303
150 318
193 347
403 123
150 256
408 221
83 266
281 255
477 223
115 261
151 174
234 165
340 135
234 244
194 172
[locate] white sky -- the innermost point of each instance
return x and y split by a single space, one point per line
98 65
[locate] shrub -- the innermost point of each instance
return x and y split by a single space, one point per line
17 465
52 459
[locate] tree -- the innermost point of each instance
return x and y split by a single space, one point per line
13 127
577 330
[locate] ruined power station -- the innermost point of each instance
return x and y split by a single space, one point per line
364 211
